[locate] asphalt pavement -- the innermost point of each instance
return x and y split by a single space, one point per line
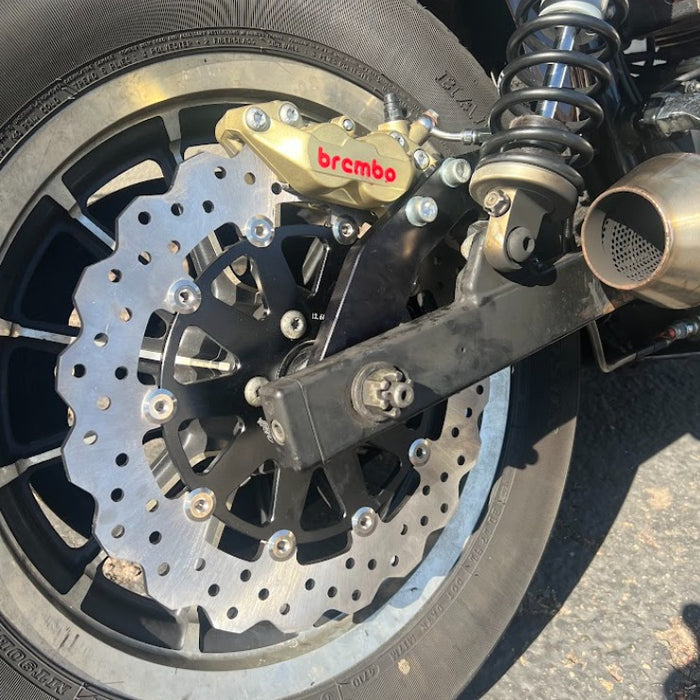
614 609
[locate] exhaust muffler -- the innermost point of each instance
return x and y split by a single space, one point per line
643 234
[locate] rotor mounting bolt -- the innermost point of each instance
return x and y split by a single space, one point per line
289 114
252 390
159 405
345 230
282 545
259 231
257 119
293 325
497 203
455 172
348 124
364 521
183 297
199 504
421 211
278 433
419 452
421 159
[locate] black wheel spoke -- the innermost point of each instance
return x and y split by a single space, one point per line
344 473
290 491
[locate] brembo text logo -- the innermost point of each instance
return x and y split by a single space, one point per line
362 168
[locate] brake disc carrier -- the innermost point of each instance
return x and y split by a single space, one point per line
139 516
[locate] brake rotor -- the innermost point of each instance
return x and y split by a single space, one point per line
170 515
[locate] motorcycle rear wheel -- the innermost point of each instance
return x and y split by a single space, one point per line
141 82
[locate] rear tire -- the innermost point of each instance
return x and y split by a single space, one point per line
52 650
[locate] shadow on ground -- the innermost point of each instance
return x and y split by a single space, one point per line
620 427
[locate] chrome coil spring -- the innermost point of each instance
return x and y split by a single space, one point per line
581 44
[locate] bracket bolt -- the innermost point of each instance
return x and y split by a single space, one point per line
289 114
282 545
364 521
183 297
421 159
497 203
159 405
421 211
257 119
455 172
345 230
293 325
200 503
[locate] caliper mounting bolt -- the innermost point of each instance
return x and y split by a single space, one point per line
381 392
421 211
345 230
455 172
421 159
257 119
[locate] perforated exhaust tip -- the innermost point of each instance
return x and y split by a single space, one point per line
624 240
643 234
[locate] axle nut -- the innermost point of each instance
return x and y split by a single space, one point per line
381 392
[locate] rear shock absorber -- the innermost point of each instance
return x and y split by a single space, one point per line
550 92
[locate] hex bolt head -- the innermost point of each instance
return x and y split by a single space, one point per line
421 211
259 231
277 432
159 405
183 297
282 545
293 325
364 521
257 119
455 172
419 452
252 390
348 124
289 114
345 230
497 203
421 159
199 504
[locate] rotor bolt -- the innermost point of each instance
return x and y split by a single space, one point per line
421 159
159 405
278 433
289 114
257 119
497 203
252 390
419 452
199 504
455 172
345 230
282 545
293 325
183 297
364 522
259 231
421 211
348 124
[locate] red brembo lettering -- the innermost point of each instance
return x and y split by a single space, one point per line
372 171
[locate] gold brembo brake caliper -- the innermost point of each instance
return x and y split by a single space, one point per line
327 161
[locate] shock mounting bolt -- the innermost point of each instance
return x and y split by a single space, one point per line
497 203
